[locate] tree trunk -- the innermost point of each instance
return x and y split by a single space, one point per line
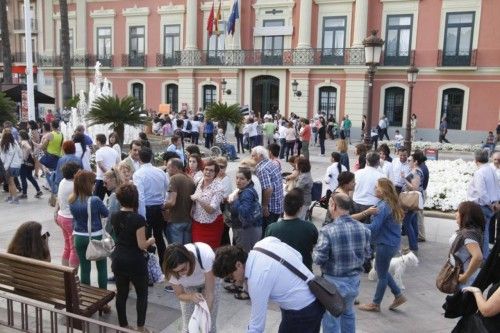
7 57
120 130
65 52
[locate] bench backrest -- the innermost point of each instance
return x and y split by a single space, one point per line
39 280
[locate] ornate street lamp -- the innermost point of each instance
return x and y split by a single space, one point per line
373 51
412 79
295 86
223 84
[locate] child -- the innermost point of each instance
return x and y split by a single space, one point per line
398 138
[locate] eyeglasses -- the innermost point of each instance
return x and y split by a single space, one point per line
46 235
209 170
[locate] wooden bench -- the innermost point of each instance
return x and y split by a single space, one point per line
51 283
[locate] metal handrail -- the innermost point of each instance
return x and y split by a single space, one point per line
34 310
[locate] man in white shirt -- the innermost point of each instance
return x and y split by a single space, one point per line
484 190
382 128
268 279
105 158
366 180
282 138
152 186
400 169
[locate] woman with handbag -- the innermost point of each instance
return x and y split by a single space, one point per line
11 156
386 235
305 183
414 181
188 269
208 222
129 262
78 205
27 167
467 252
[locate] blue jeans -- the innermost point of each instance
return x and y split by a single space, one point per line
410 228
348 287
26 173
230 150
305 320
282 148
179 233
488 213
383 256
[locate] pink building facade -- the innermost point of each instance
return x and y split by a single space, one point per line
159 51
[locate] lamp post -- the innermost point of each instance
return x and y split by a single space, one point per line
295 86
223 85
412 79
373 51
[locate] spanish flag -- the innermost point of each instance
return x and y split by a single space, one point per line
210 23
218 18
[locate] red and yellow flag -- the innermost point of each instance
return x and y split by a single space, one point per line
210 23
218 17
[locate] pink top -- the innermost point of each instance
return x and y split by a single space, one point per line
213 194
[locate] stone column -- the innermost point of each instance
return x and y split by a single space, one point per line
191 24
305 24
81 27
360 23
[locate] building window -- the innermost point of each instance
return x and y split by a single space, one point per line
394 105
398 40
458 39
272 46
452 107
215 45
104 46
172 96
138 91
171 44
333 44
327 101
209 95
136 46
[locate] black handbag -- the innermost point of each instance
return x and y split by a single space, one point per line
326 293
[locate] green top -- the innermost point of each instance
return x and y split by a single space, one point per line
347 123
54 146
297 233
269 128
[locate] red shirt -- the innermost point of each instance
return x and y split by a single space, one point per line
306 133
49 117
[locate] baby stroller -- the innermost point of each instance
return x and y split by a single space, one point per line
218 150
322 202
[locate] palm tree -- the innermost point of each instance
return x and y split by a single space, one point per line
7 108
223 114
7 59
65 52
118 113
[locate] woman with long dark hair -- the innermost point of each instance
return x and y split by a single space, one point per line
29 242
129 263
82 151
11 156
386 235
27 166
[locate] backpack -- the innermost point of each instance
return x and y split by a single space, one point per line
189 126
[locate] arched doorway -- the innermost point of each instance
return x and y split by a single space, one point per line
172 96
328 101
394 105
453 107
265 94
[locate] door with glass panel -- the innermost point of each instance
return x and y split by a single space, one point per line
452 107
171 45
104 52
458 39
172 96
272 46
328 101
136 46
216 47
332 51
394 105
398 40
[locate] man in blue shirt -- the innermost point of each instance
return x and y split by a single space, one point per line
342 248
152 185
176 147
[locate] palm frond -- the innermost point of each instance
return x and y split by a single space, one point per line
117 112
221 112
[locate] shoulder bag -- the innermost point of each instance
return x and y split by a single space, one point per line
97 249
326 293
410 200
447 279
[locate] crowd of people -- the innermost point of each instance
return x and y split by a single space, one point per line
186 210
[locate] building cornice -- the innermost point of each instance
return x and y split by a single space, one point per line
135 11
57 16
207 5
273 4
322 2
103 13
171 9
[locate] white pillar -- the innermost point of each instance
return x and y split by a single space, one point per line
360 22
81 27
29 61
305 24
48 29
191 24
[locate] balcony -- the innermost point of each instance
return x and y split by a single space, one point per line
286 57
399 60
19 25
134 60
462 59
105 60
21 57
80 61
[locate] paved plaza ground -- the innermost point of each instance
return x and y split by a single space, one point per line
422 313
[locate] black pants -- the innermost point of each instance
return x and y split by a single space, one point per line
282 148
26 173
209 138
99 189
289 148
305 320
155 226
140 283
442 137
239 143
322 146
195 137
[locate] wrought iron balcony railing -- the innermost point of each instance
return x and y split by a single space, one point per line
21 57
134 60
401 59
105 60
86 60
465 58
19 24
286 57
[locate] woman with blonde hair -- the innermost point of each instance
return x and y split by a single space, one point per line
386 235
342 149
126 172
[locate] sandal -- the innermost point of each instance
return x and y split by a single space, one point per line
232 288
242 295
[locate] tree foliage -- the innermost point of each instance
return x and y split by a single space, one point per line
223 113
118 113
7 108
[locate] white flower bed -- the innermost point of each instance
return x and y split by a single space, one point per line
441 146
448 182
